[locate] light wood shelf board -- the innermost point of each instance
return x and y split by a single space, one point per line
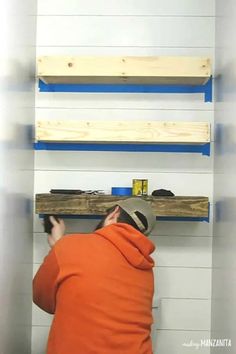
122 70
122 131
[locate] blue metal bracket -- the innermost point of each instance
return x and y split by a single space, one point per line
158 218
206 89
204 149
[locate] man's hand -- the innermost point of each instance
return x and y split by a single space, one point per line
57 232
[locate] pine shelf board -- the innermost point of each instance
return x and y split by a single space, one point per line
64 204
153 70
123 132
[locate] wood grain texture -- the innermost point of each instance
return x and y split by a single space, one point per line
122 131
130 70
98 205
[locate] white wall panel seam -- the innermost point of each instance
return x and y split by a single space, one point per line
36 233
189 109
114 171
169 267
184 298
180 330
127 15
182 267
160 329
124 46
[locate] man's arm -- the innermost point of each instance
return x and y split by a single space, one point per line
45 283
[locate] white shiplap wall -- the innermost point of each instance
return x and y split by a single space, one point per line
17 63
183 254
224 241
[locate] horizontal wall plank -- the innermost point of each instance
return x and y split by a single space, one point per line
130 7
123 161
125 70
165 341
116 31
98 205
165 228
180 342
163 317
122 131
179 184
171 282
184 314
177 251
42 318
122 101
171 251
121 114
175 314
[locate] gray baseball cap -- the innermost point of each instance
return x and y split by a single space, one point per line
132 205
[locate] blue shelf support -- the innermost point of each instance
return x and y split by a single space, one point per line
204 149
206 89
158 218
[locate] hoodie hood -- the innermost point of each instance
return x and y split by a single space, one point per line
133 245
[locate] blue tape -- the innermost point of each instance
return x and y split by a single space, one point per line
171 148
131 88
121 190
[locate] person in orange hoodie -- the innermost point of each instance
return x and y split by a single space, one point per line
100 286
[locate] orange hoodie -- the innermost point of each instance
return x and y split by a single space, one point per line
99 287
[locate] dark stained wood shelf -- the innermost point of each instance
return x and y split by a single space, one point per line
85 204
